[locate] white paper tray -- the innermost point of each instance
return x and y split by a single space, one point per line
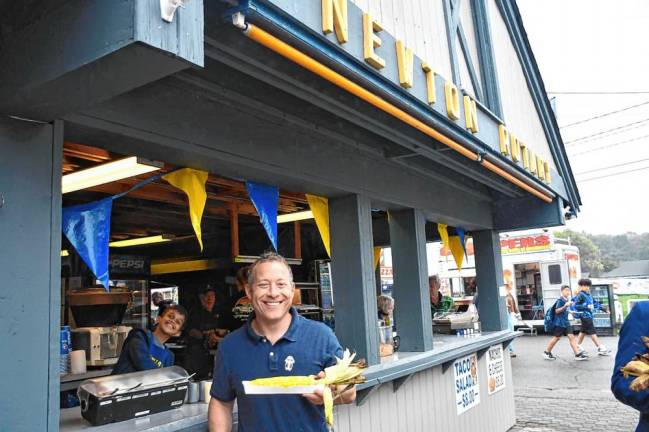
263 390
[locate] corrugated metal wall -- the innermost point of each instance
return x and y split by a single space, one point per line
427 403
418 23
421 25
519 112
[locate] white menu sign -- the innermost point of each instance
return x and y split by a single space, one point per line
467 387
495 369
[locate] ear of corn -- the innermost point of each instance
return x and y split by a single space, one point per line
639 368
343 372
285 381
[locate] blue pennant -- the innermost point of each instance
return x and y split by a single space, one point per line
87 227
460 234
266 199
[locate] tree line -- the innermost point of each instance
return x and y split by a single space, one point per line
601 253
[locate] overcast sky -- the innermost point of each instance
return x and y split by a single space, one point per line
599 46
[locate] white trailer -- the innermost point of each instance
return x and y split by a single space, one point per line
535 265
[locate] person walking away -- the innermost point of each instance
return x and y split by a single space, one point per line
275 341
512 313
562 327
584 308
629 345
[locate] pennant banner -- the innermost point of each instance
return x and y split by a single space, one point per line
192 182
457 250
461 234
443 234
87 227
377 256
265 199
320 208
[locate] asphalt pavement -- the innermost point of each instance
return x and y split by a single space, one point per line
566 395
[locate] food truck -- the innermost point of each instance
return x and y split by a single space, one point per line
535 265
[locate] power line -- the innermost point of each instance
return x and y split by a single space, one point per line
610 145
597 92
613 175
612 166
607 131
603 115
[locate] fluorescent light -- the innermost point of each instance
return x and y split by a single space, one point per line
108 172
292 217
141 241
64 253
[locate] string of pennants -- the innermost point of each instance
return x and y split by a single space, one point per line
87 226
454 240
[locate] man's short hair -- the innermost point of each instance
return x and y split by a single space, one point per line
264 258
176 308
565 287
585 282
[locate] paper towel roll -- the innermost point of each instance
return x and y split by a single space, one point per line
206 386
78 361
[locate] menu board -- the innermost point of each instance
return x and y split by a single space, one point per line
495 369
467 386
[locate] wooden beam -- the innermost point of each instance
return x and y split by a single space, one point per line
234 230
298 239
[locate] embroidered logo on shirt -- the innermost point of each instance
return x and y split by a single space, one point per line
288 363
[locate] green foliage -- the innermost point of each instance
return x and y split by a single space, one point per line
601 253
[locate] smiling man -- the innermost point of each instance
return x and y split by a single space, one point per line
275 341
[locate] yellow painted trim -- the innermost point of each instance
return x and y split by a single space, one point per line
158 267
282 48
371 41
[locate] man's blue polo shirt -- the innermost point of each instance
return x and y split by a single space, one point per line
306 348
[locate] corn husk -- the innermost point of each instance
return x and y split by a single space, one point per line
343 373
638 368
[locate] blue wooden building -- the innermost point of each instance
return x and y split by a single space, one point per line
431 110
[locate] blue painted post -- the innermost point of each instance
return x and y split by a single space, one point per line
489 277
30 274
352 274
410 291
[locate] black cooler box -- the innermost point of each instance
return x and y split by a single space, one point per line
117 398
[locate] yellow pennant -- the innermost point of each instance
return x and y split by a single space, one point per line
455 244
377 256
443 235
320 208
192 182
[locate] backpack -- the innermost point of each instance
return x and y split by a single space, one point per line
548 319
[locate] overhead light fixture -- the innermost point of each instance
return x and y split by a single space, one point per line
64 253
297 216
141 241
108 172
